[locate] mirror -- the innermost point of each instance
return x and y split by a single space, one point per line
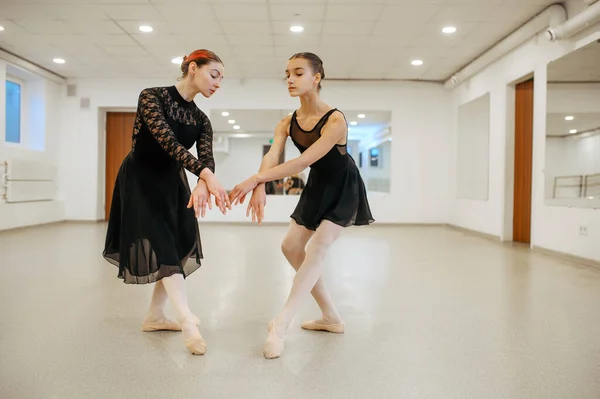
572 167
473 142
243 136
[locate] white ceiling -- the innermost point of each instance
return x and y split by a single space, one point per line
262 122
357 39
582 65
556 125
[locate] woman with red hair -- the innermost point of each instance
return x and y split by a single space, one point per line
152 228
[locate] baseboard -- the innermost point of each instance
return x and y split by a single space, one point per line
475 233
565 256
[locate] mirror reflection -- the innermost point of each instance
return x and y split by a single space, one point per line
243 136
572 168
473 144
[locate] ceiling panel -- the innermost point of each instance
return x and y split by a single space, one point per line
353 12
296 12
351 35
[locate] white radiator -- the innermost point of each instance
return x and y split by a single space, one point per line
27 181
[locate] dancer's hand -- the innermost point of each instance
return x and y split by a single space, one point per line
257 204
221 198
239 192
200 199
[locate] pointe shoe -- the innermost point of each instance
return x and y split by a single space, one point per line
274 345
193 340
317 325
165 325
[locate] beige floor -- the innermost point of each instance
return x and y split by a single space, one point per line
430 313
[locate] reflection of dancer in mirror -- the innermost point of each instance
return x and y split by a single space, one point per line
293 185
152 231
334 196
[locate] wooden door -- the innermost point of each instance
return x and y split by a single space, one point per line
523 162
119 128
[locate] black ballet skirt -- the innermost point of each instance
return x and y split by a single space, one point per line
151 233
334 190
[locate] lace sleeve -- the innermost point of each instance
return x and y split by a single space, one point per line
204 145
149 106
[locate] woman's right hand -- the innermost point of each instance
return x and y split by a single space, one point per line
257 204
200 199
221 197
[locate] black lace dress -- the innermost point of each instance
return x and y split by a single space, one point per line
334 189
151 233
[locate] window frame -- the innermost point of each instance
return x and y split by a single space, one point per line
15 80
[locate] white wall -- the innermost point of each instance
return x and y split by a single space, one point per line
553 227
420 120
40 135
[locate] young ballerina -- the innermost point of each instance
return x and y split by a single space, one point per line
152 228
334 196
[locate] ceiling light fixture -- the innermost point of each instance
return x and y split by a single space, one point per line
572 131
236 127
225 113
231 121
59 61
296 28
177 60
449 29
1 28
569 118
146 28
417 62
353 123
361 116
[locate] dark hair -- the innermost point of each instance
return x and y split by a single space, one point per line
316 64
199 57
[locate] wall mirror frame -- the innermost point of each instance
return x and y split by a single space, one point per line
243 136
473 149
572 157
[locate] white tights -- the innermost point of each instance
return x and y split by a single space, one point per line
309 267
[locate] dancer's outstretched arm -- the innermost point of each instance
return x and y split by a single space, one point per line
257 202
332 133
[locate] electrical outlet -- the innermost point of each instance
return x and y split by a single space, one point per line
583 230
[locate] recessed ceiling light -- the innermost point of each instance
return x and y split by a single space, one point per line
296 28
449 29
177 60
353 123
416 62
1 28
146 28
225 113
236 127
573 131
59 61
231 121
569 118
361 115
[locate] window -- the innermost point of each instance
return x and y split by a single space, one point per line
13 112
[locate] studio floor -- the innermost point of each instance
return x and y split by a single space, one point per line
430 312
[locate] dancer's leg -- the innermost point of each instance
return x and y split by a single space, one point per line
175 287
294 249
156 320
304 281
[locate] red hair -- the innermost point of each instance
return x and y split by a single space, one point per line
199 57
